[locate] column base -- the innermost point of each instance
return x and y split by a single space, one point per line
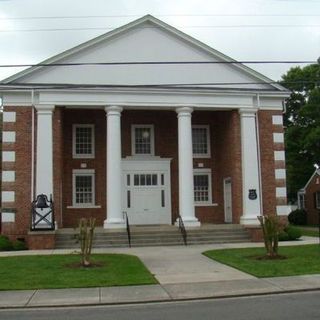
189 223
114 224
249 221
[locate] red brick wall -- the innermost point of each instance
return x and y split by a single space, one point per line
22 168
268 163
166 142
228 155
98 118
312 211
225 148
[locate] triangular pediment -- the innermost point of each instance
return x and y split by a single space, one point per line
143 42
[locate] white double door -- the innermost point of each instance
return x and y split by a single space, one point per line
146 193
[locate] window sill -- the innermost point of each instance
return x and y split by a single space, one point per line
201 156
84 207
83 156
205 204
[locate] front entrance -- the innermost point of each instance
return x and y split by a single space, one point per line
146 191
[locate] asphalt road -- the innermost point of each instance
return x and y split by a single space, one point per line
281 306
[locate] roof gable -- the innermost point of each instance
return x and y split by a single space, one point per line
316 173
144 40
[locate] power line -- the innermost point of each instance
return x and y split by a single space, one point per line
181 27
72 64
15 86
160 15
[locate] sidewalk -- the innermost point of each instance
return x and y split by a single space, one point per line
182 272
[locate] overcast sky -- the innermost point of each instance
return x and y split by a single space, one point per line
242 29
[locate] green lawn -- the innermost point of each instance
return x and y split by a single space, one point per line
54 271
304 259
309 231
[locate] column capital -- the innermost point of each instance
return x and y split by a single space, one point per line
113 109
44 108
248 112
184 111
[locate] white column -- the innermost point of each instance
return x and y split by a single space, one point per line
186 192
44 164
114 212
250 168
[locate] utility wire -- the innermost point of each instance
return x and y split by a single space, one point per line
163 85
181 27
72 64
160 15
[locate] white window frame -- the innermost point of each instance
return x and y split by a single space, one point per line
74 130
83 172
203 155
203 172
133 139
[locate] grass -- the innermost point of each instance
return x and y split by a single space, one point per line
300 260
309 231
54 271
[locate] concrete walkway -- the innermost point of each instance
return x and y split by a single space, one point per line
182 273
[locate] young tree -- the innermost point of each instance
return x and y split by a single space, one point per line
86 231
302 122
270 225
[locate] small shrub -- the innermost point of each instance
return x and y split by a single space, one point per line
298 217
293 232
18 245
283 236
289 233
5 243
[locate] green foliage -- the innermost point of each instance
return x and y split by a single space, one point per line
302 122
5 243
298 217
19 245
294 233
290 233
283 236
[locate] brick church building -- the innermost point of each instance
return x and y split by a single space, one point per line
180 129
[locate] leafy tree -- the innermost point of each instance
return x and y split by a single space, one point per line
302 122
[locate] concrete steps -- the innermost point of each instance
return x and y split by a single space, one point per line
143 236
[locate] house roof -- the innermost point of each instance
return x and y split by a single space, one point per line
316 172
148 19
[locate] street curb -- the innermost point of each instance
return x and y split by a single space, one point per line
173 300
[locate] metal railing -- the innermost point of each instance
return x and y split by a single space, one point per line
125 216
182 230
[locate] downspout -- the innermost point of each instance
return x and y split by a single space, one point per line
259 153
32 146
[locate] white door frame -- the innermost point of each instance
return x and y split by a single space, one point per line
148 164
227 212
